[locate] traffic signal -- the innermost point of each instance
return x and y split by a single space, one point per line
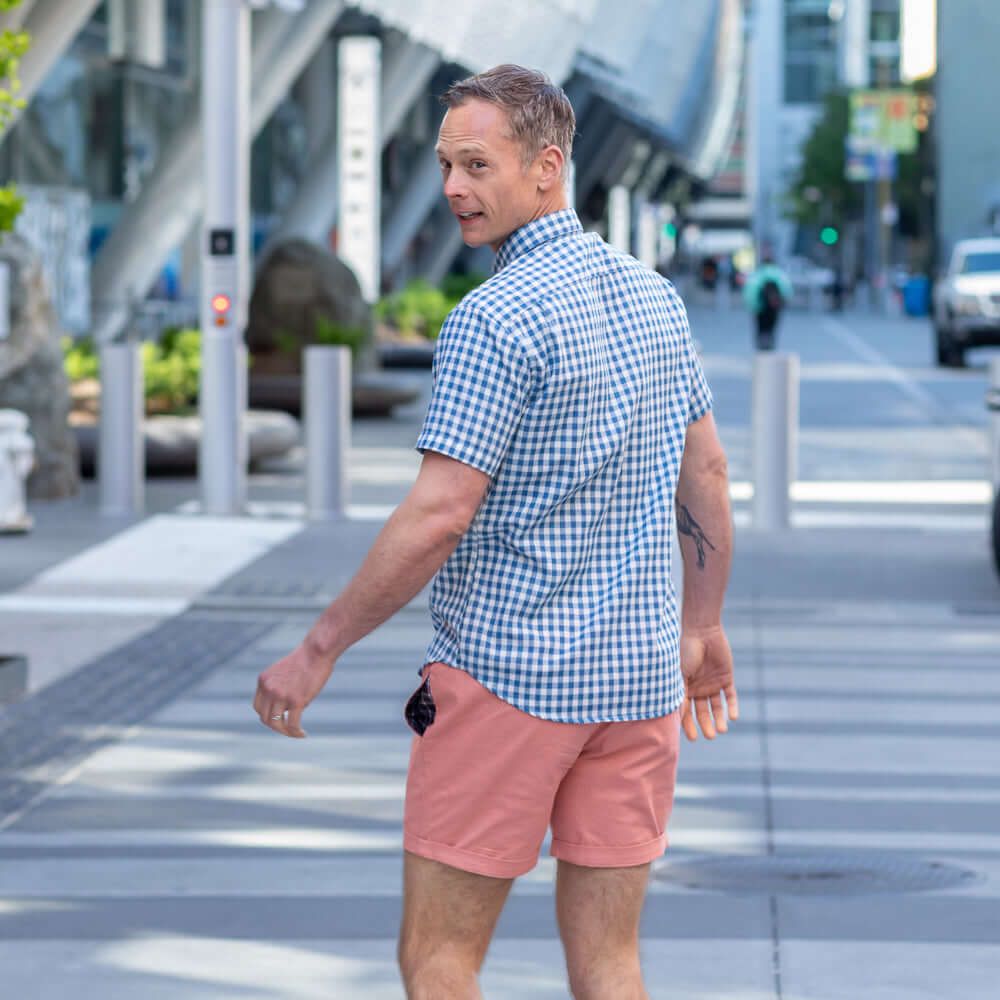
829 236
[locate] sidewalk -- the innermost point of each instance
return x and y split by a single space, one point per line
841 841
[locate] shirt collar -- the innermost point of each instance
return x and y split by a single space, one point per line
534 234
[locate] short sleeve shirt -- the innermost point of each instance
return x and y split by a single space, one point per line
569 378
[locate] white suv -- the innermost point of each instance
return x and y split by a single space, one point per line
967 301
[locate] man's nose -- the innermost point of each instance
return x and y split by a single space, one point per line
453 185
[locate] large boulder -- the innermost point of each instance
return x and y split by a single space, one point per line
32 379
299 285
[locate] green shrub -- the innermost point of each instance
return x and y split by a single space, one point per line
173 373
171 365
338 335
457 286
418 308
79 359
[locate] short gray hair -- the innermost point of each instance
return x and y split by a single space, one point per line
537 111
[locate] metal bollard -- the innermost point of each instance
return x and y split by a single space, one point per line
993 405
121 453
243 438
722 293
775 429
327 411
219 451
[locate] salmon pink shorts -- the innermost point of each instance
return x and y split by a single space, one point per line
487 780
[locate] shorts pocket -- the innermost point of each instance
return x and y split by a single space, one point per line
420 709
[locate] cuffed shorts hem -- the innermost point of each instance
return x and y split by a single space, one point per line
589 856
468 861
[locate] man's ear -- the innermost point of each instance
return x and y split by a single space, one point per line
550 166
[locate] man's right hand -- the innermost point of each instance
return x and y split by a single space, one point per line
707 665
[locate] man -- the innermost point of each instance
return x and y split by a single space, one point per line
767 291
566 390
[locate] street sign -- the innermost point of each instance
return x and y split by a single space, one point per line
884 120
865 164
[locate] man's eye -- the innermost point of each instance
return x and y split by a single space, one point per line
478 164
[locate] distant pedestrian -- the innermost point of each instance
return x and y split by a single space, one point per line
767 291
570 424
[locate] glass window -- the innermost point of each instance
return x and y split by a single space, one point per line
981 263
810 51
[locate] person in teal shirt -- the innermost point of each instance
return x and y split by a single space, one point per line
767 291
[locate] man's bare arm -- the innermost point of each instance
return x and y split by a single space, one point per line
416 541
704 524
704 530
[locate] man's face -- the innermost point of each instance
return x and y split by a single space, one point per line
487 187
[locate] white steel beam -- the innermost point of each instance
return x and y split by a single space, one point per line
171 198
52 25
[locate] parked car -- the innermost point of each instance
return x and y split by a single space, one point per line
967 301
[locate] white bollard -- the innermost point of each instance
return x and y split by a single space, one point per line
722 293
327 412
17 459
775 430
121 456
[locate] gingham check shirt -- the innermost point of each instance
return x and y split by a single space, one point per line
569 378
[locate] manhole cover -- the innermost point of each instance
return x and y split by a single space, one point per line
814 874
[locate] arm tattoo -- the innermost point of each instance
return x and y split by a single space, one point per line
687 525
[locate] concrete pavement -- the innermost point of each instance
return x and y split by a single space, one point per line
840 841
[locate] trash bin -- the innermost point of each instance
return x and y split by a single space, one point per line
917 296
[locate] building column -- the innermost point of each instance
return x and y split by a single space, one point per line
407 69
359 148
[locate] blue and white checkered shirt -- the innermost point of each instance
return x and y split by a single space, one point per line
569 378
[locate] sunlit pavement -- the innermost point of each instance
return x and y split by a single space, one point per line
841 841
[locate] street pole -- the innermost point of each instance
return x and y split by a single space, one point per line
884 199
225 253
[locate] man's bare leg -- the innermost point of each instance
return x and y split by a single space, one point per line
598 911
448 921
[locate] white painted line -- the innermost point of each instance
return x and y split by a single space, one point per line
115 606
945 491
840 793
296 509
888 840
164 556
945 523
285 792
290 838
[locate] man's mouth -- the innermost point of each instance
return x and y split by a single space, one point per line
468 216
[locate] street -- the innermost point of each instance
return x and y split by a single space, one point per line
840 841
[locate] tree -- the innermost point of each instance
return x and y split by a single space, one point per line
13 45
821 195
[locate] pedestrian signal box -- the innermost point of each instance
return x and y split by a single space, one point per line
220 306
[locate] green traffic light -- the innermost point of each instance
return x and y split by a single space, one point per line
670 230
829 236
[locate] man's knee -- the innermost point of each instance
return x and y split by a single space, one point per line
436 973
607 977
